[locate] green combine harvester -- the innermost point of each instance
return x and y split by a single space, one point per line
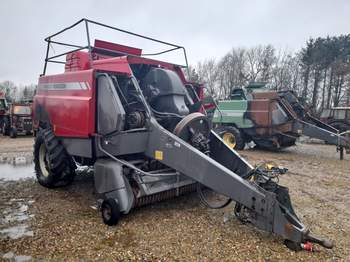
271 119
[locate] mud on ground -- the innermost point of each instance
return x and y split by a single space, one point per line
66 226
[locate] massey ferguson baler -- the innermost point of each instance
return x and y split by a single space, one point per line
141 125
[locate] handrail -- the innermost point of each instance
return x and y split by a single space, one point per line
90 48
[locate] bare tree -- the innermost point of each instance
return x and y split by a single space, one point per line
232 71
208 74
10 90
260 60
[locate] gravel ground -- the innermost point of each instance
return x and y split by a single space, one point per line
21 144
65 225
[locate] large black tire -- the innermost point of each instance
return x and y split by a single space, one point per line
5 128
53 166
13 132
231 136
110 212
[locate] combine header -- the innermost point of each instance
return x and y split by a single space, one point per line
271 119
140 123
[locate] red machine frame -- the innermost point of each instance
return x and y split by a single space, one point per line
72 104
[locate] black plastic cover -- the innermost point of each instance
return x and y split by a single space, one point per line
165 92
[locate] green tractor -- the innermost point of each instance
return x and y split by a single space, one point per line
271 119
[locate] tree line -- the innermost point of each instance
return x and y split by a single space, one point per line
15 93
319 73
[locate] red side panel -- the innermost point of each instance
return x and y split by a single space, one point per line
77 61
260 111
118 48
115 64
68 101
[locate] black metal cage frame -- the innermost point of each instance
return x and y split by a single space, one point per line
87 22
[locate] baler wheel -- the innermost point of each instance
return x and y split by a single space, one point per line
53 166
195 121
231 136
110 212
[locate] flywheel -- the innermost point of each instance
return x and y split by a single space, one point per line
195 130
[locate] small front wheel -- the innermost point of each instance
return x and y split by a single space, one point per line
13 132
5 127
292 245
110 212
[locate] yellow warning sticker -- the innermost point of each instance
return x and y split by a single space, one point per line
158 155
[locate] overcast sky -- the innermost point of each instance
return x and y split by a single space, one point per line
206 28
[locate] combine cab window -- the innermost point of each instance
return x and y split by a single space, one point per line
237 94
22 110
339 114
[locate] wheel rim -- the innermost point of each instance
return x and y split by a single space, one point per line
229 139
43 160
107 212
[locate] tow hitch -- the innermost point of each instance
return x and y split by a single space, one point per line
298 237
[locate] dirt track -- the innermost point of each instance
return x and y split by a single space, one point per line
22 144
66 226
